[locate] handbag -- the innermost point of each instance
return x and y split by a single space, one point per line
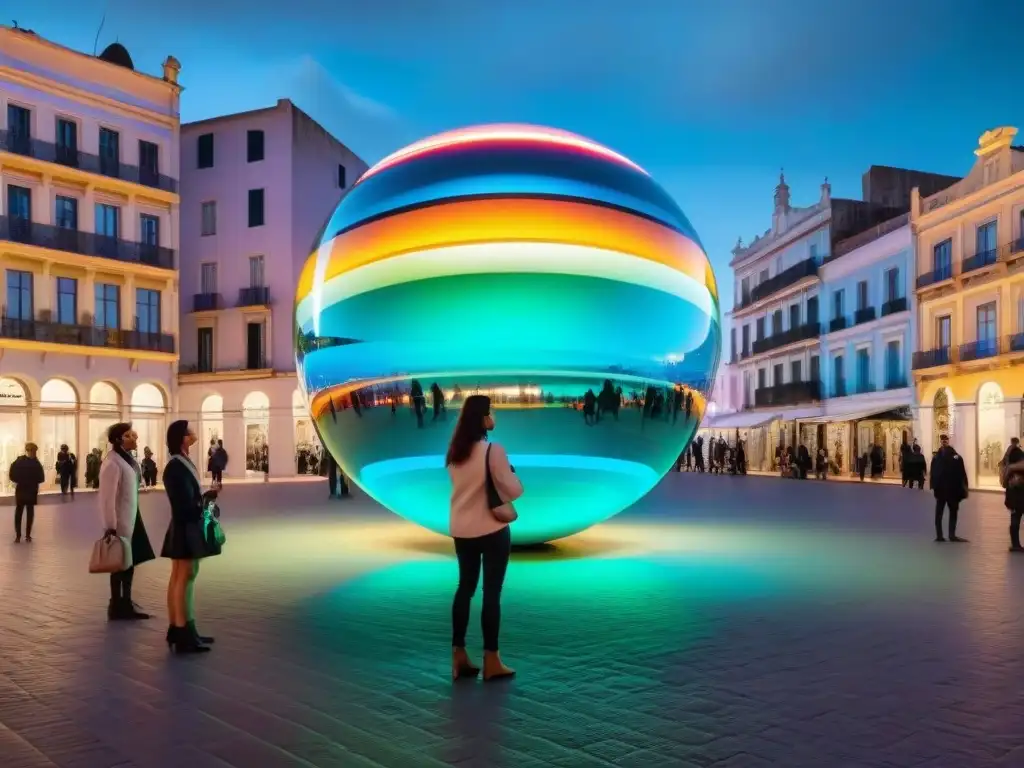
111 554
503 511
213 533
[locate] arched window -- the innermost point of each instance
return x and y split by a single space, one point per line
992 437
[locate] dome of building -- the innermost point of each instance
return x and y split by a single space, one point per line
116 53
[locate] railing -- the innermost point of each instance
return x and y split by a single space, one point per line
893 306
896 382
84 335
979 350
980 260
864 388
837 324
865 315
785 278
932 358
776 340
1015 343
839 389
72 157
944 272
18 230
206 302
787 394
254 297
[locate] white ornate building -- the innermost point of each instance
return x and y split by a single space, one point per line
88 246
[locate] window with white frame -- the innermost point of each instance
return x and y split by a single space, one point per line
209 216
256 272
208 277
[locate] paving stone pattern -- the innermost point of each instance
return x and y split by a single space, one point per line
722 622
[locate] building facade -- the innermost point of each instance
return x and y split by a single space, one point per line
970 291
780 305
257 188
88 247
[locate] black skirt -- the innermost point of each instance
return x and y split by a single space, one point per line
142 550
185 541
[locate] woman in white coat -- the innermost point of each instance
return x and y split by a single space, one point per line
120 477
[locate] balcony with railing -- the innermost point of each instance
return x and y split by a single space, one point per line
18 230
980 260
206 302
893 306
19 144
254 297
933 358
793 393
46 331
839 388
979 350
944 272
863 315
837 324
785 278
1015 342
895 381
793 335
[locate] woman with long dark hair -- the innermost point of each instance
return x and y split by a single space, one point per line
481 537
184 543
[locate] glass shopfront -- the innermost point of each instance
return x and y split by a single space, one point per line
13 427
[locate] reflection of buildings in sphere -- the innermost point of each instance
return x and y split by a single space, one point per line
533 266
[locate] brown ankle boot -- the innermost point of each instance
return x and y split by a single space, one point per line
494 669
462 666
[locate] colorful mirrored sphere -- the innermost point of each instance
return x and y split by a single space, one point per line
529 264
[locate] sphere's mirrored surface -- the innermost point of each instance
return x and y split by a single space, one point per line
528 264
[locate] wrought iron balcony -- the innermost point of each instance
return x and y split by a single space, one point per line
84 335
206 302
979 350
254 297
980 260
933 358
776 340
785 278
787 394
837 324
865 315
895 382
17 230
839 389
1015 343
944 272
893 306
71 157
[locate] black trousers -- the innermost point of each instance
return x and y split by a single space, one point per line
492 552
65 484
30 513
1015 518
954 509
121 585
218 476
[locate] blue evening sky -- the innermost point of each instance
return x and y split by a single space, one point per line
711 96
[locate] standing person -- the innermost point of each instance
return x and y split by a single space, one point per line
92 468
120 478
698 453
949 484
741 457
184 543
65 467
148 466
219 462
27 475
479 536
915 466
212 450
1012 470
332 477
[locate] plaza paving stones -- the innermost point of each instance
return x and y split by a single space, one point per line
721 622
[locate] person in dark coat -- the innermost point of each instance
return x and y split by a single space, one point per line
67 469
184 544
1013 462
27 475
949 484
915 466
218 463
148 467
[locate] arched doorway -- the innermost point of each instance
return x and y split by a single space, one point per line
13 427
992 439
211 425
942 417
58 423
256 419
104 409
308 451
148 417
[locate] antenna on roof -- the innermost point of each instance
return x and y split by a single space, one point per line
96 42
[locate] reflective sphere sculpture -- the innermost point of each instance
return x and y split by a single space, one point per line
529 264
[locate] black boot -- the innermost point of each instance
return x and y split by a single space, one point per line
115 609
131 611
201 639
180 641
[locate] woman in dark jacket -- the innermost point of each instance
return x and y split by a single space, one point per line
184 543
1013 462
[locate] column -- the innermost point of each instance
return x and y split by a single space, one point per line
128 303
130 221
3 279
43 208
87 298
281 434
965 439
42 292
1006 314
234 439
169 308
87 212
82 449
